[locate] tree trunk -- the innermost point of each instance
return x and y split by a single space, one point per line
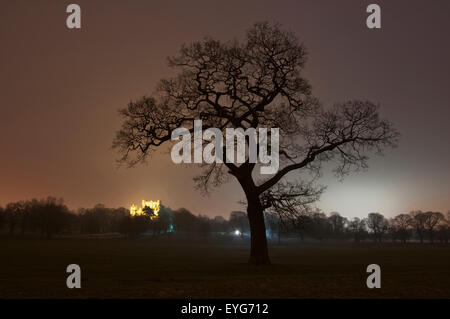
259 254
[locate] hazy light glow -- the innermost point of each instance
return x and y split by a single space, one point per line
358 199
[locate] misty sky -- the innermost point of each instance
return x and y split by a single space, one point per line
61 89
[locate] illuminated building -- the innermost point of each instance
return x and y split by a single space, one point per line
139 211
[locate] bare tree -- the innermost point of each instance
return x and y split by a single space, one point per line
418 222
319 227
378 224
432 220
338 224
253 83
401 226
357 227
13 214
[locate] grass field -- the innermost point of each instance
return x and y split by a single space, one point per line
118 268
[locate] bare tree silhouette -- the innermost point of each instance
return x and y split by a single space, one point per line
378 224
357 227
251 84
432 220
400 227
418 220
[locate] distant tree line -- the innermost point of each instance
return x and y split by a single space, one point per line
47 217
416 225
50 217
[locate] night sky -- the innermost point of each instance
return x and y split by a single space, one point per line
61 89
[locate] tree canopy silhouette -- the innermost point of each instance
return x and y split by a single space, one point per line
255 83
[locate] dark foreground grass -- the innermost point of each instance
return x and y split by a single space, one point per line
117 268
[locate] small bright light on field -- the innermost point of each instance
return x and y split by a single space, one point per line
237 232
